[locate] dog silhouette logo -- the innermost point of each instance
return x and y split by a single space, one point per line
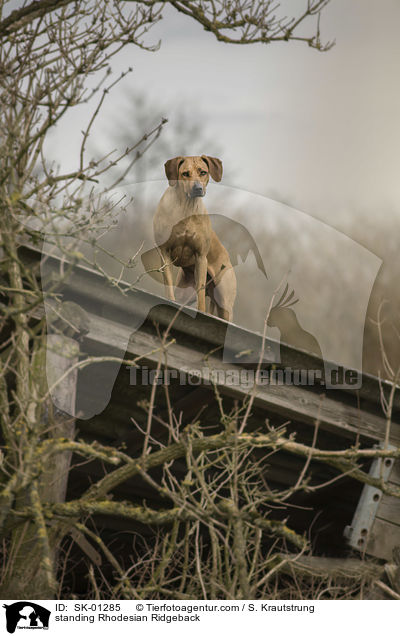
275 253
26 615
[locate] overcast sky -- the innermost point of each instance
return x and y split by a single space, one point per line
317 130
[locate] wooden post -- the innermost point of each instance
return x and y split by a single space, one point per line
25 578
62 354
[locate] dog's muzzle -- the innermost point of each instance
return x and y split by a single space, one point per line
197 191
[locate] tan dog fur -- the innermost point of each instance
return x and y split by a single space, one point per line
185 238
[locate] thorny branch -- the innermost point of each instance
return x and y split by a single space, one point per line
230 21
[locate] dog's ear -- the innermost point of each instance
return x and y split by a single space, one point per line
171 169
214 166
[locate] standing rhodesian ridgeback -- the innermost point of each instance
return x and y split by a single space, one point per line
185 238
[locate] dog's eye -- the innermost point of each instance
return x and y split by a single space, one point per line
185 174
203 172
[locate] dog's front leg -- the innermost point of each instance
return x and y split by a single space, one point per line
200 275
167 273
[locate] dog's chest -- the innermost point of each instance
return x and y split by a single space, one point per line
189 237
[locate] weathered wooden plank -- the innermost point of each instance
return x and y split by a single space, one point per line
394 477
89 288
62 354
294 402
389 510
383 538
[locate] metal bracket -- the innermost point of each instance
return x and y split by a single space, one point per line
367 507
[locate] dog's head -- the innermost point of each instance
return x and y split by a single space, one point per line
193 173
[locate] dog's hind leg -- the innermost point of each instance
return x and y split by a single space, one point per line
200 275
185 292
212 308
225 293
211 304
